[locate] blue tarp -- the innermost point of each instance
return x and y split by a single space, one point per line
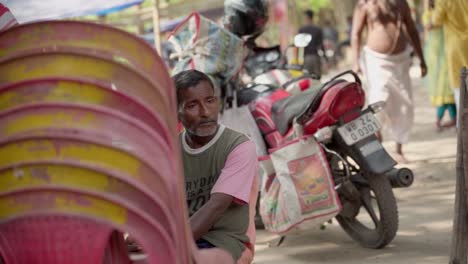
32 10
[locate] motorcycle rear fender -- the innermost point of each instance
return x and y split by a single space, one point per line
370 155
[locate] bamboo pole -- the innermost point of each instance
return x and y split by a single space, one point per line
458 254
156 26
140 23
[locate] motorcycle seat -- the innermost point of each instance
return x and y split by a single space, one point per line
285 110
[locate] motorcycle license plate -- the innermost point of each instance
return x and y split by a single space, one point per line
359 128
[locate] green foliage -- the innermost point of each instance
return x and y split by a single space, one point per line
147 3
315 5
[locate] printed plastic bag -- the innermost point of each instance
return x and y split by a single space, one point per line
201 44
300 188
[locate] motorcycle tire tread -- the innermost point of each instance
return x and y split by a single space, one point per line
388 216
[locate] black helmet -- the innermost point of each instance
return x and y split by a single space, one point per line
246 17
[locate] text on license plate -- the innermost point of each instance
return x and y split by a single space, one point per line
359 128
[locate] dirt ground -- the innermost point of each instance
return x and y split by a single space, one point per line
425 209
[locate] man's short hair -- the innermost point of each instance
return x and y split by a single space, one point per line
189 78
309 13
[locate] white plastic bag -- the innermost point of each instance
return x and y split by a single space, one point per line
240 119
300 189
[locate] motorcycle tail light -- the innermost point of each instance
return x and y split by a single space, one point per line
304 84
350 116
347 99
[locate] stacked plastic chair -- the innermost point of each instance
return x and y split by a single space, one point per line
88 148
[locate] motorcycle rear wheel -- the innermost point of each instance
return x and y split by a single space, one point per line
377 195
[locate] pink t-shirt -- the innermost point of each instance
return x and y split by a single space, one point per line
239 178
239 172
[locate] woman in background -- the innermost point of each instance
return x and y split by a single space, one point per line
440 92
453 16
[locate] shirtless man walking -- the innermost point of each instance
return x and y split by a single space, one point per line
385 61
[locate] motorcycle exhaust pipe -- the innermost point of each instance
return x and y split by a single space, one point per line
400 178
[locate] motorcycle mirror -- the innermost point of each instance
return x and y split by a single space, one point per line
302 40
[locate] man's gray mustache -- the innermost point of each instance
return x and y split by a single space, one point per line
207 122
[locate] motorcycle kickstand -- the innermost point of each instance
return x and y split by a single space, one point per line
278 243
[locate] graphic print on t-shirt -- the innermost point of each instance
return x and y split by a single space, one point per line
198 192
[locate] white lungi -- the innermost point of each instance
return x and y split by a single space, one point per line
389 80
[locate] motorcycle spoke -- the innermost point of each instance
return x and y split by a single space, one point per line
366 198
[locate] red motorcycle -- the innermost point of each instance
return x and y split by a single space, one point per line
363 171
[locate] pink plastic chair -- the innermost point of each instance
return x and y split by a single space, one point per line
92 38
72 175
107 125
97 69
114 212
85 150
142 172
53 239
75 91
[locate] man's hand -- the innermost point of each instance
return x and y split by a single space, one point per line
423 69
414 35
204 219
357 68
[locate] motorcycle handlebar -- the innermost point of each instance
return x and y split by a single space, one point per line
293 67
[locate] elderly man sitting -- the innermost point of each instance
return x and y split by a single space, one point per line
220 167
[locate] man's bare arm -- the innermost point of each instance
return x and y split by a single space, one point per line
414 35
202 221
359 21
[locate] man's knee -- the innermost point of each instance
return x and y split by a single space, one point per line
214 256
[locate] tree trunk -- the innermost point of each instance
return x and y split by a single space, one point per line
460 230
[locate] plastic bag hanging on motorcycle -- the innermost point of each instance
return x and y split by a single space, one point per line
201 44
241 120
302 192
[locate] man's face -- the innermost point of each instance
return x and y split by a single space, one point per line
198 109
